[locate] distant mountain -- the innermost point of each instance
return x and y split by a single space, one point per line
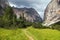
30 14
52 13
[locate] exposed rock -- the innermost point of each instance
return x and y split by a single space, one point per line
3 5
52 13
30 14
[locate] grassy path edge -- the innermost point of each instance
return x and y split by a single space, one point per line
27 34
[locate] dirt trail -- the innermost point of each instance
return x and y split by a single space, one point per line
26 33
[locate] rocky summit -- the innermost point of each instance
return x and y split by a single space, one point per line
30 14
3 5
52 13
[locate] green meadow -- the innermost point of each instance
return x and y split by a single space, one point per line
33 33
14 28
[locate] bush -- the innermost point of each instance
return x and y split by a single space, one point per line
37 25
56 26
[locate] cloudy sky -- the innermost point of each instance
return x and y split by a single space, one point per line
38 5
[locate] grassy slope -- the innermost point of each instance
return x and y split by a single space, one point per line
37 34
44 34
16 34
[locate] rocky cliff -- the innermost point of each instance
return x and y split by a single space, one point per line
3 5
52 13
30 14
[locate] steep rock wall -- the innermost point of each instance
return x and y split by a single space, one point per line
52 13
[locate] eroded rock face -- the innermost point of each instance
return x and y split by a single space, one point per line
52 13
30 14
3 5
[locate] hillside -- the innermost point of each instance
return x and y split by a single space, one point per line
29 34
30 14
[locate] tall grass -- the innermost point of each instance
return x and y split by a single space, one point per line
16 34
44 34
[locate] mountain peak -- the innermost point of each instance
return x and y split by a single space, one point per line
4 3
30 14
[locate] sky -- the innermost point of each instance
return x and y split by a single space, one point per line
38 5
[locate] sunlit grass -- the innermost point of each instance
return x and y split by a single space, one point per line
44 34
16 34
37 34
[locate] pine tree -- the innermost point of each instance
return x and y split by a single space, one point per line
8 16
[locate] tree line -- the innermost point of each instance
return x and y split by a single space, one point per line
9 20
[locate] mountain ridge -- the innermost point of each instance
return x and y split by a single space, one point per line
30 14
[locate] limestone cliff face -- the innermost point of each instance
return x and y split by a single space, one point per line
52 13
4 3
30 14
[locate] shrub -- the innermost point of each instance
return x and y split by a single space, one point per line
56 26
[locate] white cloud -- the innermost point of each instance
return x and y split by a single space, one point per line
39 5
11 4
